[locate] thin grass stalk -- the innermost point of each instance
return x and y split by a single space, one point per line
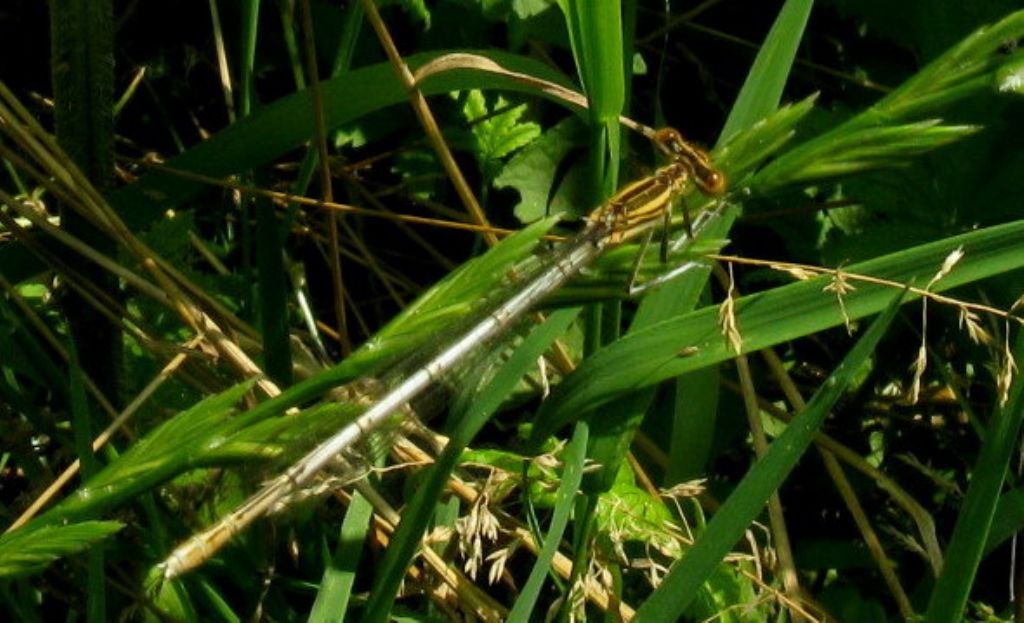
426 118
746 501
846 491
776 519
967 544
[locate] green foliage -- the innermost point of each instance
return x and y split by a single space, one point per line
29 550
765 477
970 536
415 8
533 173
497 133
820 171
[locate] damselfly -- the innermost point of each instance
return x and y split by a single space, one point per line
634 210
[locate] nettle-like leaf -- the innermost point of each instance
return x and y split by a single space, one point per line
498 131
534 169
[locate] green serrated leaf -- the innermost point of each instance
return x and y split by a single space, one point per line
495 136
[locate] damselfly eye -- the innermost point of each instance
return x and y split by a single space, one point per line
712 182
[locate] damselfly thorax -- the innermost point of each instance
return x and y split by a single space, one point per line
633 208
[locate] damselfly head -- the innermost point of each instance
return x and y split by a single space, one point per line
670 142
708 178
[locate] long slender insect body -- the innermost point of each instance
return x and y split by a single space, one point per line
200 547
632 211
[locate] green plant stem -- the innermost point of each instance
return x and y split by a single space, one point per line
82 66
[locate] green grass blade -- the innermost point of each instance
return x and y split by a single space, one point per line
595 34
416 514
762 90
205 435
747 500
895 128
332 599
565 501
953 587
768 318
1007 520
695 409
968 68
82 67
273 294
250 18
29 550
96 596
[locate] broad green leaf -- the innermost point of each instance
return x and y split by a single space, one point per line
533 170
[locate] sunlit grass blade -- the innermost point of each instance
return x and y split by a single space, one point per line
853 150
666 350
30 550
335 592
740 156
470 416
204 435
565 501
595 35
747 500
896 127
968 68
762 90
